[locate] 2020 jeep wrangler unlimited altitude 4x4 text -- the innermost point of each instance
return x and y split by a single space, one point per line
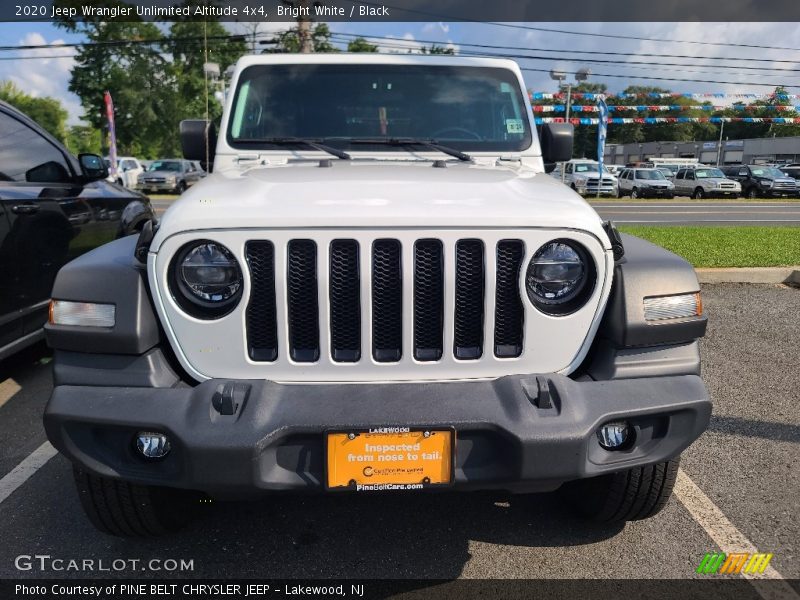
378 288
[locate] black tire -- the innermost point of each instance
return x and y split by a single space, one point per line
634 193
181 187
631 495
699 193
620 193
128 510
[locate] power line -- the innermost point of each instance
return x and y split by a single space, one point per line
605 61
564 51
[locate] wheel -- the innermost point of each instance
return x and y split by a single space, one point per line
698 193
752 193
634 193
620 193
181 187
631 495
129 510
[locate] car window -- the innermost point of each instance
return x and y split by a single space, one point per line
649 174
165 165
26 156
708 173
680 175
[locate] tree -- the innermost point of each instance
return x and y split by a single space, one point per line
434 49
47 112
289 40
359 44
84 138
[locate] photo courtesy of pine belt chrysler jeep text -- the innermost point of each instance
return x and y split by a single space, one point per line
384 291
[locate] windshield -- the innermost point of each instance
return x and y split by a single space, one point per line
165 165
770 172
589 168
467 108
708 173
648 174
667 172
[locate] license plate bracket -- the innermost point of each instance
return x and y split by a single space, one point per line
389 458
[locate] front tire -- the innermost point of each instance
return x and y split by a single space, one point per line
699 194
125 509
634 193
638 493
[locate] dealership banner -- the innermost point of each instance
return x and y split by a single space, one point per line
663 108
602 131
696 96
659 120
112 134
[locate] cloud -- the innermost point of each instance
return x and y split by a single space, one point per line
41 77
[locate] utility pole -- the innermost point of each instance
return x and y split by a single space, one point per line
719 145
303 11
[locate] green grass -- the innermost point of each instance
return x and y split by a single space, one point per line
686 200
726 246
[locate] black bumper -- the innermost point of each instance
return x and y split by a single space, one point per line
274 442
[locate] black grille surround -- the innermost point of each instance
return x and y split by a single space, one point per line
303 306
509 312
387 301
443 276
261 316
344 293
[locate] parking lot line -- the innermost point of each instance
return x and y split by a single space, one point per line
24 470
8 388
728 537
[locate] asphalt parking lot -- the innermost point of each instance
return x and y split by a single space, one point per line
745 466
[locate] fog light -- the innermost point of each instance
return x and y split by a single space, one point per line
614 435
152 445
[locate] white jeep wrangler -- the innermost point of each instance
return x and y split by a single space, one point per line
378 288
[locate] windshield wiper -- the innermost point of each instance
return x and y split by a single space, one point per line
432 144
289 141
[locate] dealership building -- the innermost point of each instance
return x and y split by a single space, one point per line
731 152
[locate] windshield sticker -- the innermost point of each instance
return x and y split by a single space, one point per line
515 126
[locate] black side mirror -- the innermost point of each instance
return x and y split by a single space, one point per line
94 167
199 141
556 140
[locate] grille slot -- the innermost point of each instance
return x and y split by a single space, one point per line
303 306
345 301
387 301
262 327
508 318
469 303
428 300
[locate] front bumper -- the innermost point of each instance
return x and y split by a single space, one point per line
274 441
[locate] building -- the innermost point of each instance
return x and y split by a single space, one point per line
732 152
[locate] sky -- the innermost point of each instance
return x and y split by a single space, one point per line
50 76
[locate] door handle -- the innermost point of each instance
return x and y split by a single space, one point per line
25 209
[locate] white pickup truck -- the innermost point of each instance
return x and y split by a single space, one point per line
378 287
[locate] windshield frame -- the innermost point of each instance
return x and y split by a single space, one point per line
527 144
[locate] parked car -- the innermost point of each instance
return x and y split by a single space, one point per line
582 175
645 183
758 181
615 170
705 182
376 312
168 175
668 172
792 171
53 208
128 170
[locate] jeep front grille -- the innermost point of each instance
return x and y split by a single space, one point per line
427 278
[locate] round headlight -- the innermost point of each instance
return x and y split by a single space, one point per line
206 279
560 277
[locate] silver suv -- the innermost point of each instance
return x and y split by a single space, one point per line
645 183
705 182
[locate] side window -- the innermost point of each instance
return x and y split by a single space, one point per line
689 174
680 175
743 173
569 167
25 156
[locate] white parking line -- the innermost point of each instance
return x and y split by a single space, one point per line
24 470
8 388
728 538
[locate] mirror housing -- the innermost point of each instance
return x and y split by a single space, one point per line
199 141
556 140
93 166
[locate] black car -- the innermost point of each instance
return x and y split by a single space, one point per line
792 171
53 208
759 181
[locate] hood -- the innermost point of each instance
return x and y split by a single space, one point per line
350 194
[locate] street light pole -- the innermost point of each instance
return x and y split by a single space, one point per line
719 145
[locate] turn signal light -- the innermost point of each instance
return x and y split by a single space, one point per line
82 314
682 306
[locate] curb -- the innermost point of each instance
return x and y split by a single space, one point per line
768 275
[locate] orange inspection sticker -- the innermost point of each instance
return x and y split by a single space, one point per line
391 458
